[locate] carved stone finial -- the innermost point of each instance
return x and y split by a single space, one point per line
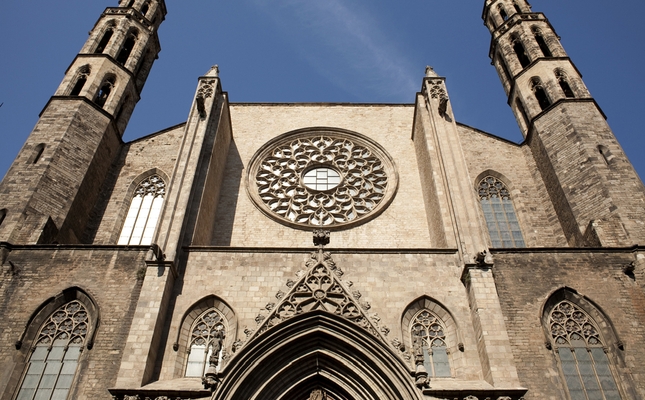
214 71
321 237
430 73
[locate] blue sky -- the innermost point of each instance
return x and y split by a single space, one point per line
323 51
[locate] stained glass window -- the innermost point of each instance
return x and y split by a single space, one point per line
207 330
54 361
501 220
584 363
145 209
430 330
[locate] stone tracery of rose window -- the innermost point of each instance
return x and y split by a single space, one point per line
322 178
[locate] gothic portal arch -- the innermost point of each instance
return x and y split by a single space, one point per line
317 350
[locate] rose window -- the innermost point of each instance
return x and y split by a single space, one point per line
324 177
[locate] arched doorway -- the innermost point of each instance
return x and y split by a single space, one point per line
317 351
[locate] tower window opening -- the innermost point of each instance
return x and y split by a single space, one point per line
502 12
540 94
127 48
606 154
130 3
499 213
517 8
124 104
3 214
145 8
83 74
522 111
518 47
105 40
542 43
104 92
564 84
507 73
38 152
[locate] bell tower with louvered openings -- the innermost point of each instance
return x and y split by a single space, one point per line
56 178
589 179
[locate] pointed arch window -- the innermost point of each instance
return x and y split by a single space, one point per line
499 213
81 80
502 12
540 93
145 8
520 52
143 215
208 333
580 348
54 360
428 335
127 48
3 215
502 63
104 92
563 81
541 42
105 40
517 8
522 111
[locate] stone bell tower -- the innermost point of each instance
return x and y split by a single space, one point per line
52 185
596 192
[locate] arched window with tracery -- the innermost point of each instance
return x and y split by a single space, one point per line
81 80
520 51
563 81
540 93
143 215
428 335
105 40
54 360
581 351
104 91
541 42
207 336
499 213
127 47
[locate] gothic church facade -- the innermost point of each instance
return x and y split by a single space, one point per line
322 251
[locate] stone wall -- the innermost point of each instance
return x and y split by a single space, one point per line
526 279
155 153
110 276
514 165
254 125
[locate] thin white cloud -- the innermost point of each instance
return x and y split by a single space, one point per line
346 46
